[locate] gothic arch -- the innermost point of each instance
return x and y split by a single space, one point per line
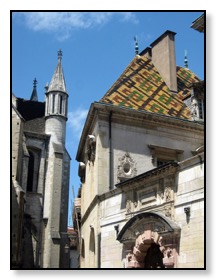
150 240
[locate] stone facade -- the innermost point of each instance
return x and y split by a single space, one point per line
142 175
163 193
40 178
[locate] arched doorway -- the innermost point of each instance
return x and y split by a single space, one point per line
150 241
154 257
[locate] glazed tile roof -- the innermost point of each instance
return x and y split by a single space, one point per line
141 87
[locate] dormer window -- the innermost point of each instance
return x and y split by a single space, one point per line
201 108
196 101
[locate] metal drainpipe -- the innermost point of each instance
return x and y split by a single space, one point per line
110 152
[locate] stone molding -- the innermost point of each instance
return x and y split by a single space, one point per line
146 230
126 168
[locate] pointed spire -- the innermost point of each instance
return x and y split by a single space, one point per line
46 87
58 82
136 45
185 60
34 91
60 55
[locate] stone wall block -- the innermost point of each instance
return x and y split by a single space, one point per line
147 236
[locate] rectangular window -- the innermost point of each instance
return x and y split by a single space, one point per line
162 155
201 108
60 104
53 104
161 162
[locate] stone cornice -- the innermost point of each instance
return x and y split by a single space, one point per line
151 175
199 158
138 118
37 135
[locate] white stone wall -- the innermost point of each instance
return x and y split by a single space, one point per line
90 231
109 210
135 141
191 194
56 127
111 249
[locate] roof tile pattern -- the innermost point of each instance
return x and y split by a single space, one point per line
141 87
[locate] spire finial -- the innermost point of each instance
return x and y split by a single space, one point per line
136 45
185 60
34 91
46 87
35 83
60 54
57 82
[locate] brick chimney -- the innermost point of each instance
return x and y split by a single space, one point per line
162 53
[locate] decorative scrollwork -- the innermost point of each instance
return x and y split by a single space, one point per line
126 168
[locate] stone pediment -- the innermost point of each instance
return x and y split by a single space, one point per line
155 222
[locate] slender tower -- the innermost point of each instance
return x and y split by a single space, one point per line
56 187
56 105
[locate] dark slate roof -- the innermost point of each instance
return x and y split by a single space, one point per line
30 110
35 125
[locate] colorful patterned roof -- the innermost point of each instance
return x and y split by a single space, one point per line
141 87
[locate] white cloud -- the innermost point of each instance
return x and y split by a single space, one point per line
62 23
76 121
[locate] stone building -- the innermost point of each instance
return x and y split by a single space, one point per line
141 164
40 177
74 250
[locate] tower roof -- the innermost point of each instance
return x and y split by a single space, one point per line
34 91
58 82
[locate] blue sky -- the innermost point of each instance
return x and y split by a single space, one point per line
97 47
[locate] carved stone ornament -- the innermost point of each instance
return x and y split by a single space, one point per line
128 206
168 211
167 194
126 168
141 226
91 147
81 171
194 108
